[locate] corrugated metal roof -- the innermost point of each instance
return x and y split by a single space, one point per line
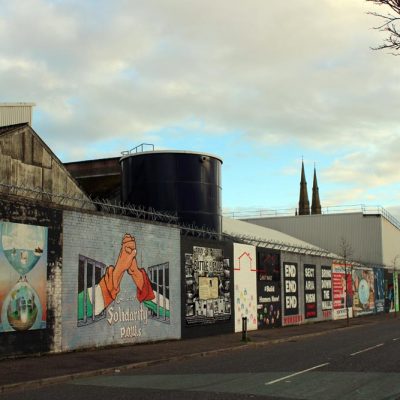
15 113
239 228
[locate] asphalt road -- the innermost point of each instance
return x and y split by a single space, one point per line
357 363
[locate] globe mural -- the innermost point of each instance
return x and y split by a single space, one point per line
363 291
22 245
22 307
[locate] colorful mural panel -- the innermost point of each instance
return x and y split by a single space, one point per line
23 277
245 293
122 286
363 288
207 286
342 291
268 289
100 295
310 291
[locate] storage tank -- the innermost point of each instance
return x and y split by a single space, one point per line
184 182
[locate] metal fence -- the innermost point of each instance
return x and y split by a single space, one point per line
286 212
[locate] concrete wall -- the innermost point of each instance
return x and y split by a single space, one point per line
25 160
30 278
296 271
130 315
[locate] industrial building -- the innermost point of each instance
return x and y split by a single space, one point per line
372 234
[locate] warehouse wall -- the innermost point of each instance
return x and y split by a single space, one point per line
26 161
391 244
362 232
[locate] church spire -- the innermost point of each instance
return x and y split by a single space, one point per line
316 204
304 204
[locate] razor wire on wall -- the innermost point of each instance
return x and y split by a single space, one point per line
106 206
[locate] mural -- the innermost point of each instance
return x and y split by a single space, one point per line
363 291
291 293
23 277
268 290
207 286
342 291
245 286
379 290
310 291
100 296
326 287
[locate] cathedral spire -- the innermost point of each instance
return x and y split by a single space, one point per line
304 204
316 204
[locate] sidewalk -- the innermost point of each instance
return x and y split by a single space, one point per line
35 371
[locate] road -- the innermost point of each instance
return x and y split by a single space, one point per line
361 362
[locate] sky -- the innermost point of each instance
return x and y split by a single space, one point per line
262 84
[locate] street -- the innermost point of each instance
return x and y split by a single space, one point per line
361 362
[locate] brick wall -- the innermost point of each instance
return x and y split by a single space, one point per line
92 243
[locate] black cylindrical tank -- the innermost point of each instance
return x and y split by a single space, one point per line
175 181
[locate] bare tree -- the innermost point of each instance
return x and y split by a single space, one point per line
346 252
390 24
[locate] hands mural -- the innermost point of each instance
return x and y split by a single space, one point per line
92 301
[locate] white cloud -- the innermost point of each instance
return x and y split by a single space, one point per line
281 73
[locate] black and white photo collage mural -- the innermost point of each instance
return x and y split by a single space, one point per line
208 281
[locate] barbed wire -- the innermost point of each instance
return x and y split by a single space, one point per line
87 203
278 245
150 214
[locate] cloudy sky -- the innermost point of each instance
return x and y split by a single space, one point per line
260 83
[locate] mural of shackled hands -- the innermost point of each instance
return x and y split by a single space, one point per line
126 262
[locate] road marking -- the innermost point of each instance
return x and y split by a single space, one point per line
396 339
296 373
367 349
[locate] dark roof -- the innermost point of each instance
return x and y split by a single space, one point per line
11 128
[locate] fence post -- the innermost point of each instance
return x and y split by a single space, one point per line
244 329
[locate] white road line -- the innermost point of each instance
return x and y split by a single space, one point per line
296 373
396 339
367 349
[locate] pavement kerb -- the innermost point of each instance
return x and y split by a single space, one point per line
38 383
